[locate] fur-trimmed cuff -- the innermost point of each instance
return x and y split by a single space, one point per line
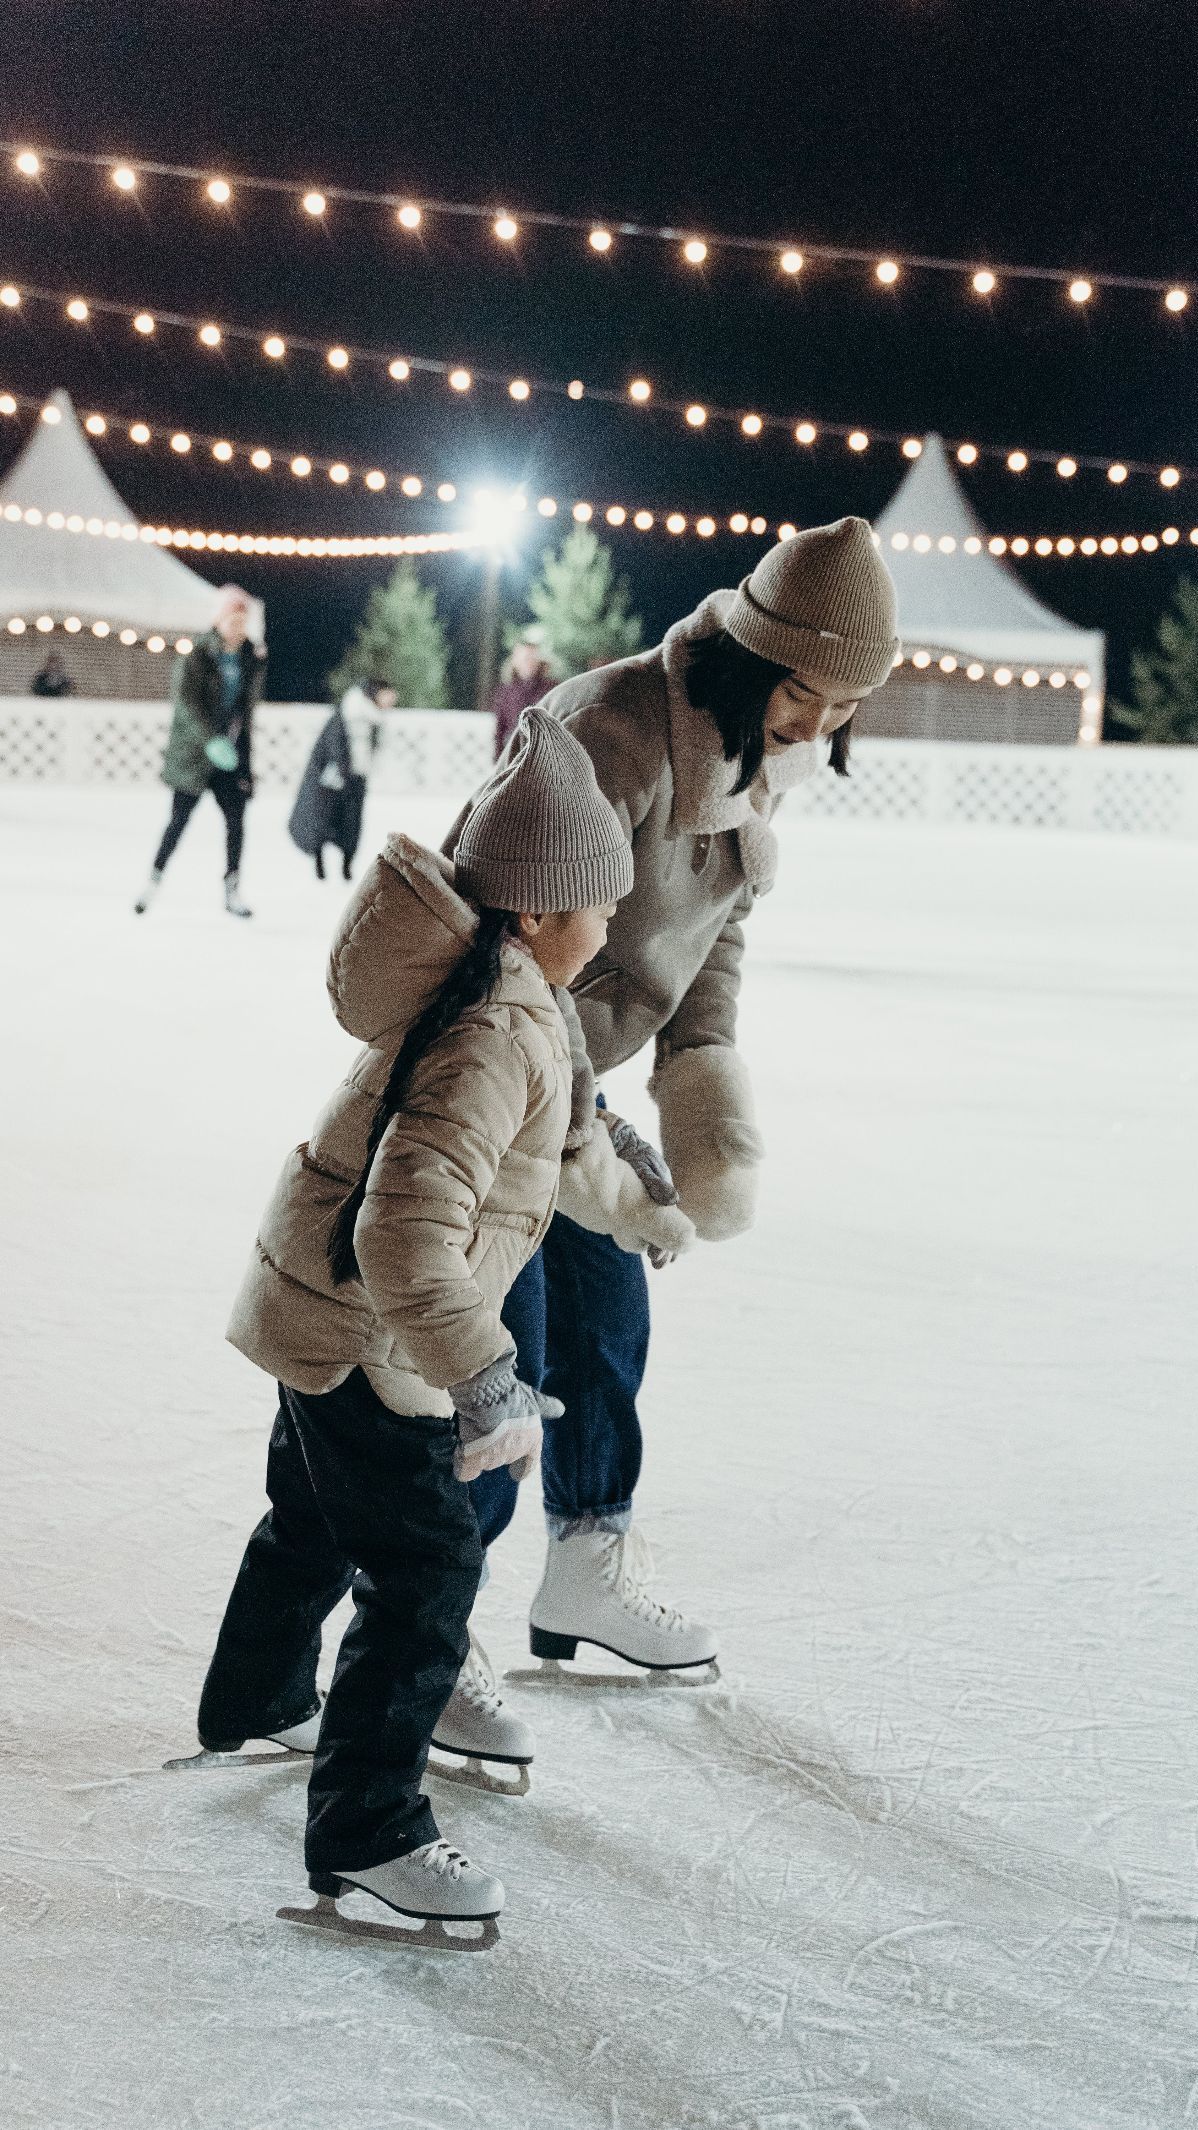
604 1194
710 1138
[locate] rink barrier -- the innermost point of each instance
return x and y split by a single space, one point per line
1136 791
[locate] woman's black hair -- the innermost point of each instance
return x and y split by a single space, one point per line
469 983
734 685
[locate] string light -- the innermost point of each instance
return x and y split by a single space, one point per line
143 323
984 283
600 240
50 415
791 262
210 336
1116 473
694 251
10 297
139 434
337 359
301 467
575 389
314 203
274 347
1066 468
640 389
77 311
967 454
912 447
399 370
1080 291
29 164
95 425
505 229
222 451
696 416
181 442
751 424
806 433
858 441
409 216
1176 299
261 461
219 191
124 179
887 272
460 380
519 388
1017 461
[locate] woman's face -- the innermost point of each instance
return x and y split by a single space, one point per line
565 941
803 707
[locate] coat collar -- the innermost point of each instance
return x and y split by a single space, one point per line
704 802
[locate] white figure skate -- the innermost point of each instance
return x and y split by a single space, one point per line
233 902
475 1727
299 1738
436 1886
595 1589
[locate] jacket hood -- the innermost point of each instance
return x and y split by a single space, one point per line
400 935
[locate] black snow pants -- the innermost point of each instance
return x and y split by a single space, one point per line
352 1487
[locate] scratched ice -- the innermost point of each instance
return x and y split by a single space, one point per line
923 1446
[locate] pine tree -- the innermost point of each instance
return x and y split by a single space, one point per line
582 607
1164 681
400 639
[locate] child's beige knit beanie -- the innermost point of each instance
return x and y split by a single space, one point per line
823 602
542 837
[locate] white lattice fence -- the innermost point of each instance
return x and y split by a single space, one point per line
1132 791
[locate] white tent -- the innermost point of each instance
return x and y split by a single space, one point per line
971 604
122 580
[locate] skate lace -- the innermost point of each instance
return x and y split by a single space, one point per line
476 1682
444 1862
629 1570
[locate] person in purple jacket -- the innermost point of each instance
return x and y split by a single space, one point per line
527 676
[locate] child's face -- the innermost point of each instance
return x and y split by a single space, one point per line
802 708
563 942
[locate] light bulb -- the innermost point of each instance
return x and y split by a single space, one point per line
220 192
694 251
1116 473
505 229
1089 546
584 512
446 493
155 643
616 514
10 297
1066 468
984 283
1017 461
948 663
791 262
143 323
696 416
639 389
887 272
806 433
16 626
643 521
900 541
1169 476
314 203
210 336
139 434
101 628
575 388
1080 291
1177 299
399 370
460 380
1170 536
946 544
922 544
1056 680
751 424
412 485
339 473
967 454
51 415
920 659
95 425
337 359
705 527
78 310
409 216
375 481
1043 545
1066 546
758 525
128 636
548 506
1003 676
301 467
1030 677
975 670
600 240
72 624
858 441
124 179
675 523
787 531
260 460
519 388
181 442
738 523
8 404
1019 546
275 348
912 447
29 164
223 452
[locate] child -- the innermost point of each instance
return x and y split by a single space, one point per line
374 1296
332 793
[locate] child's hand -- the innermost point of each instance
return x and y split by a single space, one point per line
499 1421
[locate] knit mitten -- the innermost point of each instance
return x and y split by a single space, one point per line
710 1138
605 1194
499 1421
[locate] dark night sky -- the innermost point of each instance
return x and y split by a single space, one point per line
1048 133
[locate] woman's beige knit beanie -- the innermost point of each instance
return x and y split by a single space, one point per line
542 837
822 602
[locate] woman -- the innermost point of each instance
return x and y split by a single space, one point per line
332 793
217 686
695 743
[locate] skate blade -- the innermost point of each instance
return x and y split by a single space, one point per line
205 1759
554 1671
431 1935
476 1774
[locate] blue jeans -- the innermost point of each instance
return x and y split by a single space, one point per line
579 1314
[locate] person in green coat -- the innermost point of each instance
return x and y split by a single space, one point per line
216 688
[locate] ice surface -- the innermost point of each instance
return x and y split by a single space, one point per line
923 1446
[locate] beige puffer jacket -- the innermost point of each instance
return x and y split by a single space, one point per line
464 1184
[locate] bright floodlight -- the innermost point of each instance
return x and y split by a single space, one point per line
496 516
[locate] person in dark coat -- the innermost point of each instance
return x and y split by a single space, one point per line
328 805
53 678
216 689
527 677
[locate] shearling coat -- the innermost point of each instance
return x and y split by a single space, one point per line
464 1183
